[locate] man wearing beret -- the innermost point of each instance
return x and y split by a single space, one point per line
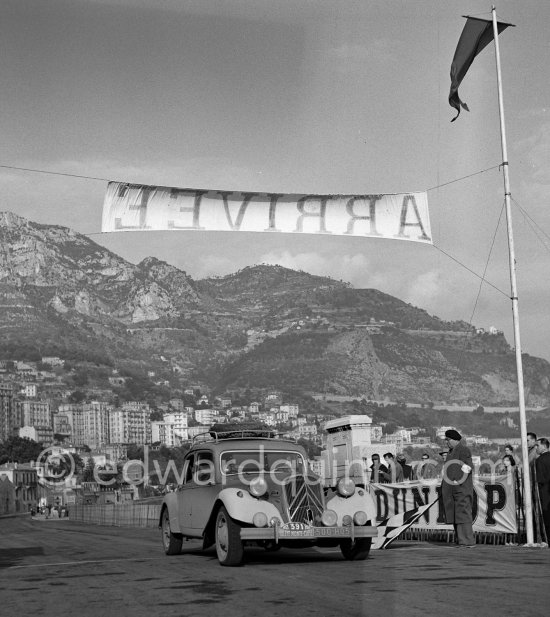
542 464
457 489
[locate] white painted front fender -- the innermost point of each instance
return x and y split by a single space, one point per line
360 500
241 506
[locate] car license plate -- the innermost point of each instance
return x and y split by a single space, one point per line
296 526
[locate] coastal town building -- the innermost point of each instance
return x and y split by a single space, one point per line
206 416
40 434
87 422
130 424
24 479
9 418
291 410
171 431
29 390
34 413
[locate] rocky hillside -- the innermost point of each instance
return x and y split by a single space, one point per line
263 327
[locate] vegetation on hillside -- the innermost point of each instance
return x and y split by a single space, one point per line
264 326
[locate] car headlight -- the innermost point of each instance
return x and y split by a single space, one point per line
260 519
360 518
257 487
347 521
274 522
345 487
329 518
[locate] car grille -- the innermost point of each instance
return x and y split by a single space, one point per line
304 499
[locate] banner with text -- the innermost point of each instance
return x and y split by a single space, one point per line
137 207
494 508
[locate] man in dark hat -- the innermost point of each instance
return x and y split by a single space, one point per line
457 489
379 472
542 463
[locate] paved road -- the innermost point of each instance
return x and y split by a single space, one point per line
66 568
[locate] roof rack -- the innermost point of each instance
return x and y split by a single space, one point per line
245 433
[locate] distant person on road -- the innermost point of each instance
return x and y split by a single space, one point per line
395 471
542 464
457 489
379 472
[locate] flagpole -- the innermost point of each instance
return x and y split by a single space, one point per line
515 310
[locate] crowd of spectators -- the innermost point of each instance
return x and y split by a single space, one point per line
397 469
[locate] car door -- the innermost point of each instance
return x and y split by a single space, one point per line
203 490
185 494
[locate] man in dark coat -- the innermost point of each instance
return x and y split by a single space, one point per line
379 472
542 464
532 448
457 489
395 471
408 471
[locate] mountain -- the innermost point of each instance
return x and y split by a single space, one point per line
264 327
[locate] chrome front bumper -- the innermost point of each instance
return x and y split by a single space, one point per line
309 533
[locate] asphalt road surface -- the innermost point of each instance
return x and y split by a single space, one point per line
59 567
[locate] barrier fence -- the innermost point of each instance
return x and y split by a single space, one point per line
134 514
118 515
515 491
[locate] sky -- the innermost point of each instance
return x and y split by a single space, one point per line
293 96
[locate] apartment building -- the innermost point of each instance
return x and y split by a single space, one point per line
83 423
9 419
40 434
206 416
172 430
163 432
291 410
24 479
35 413
96 423
130 424
307 430
63 425
30 390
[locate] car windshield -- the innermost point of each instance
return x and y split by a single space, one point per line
251 461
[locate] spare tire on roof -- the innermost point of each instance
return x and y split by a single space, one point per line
234 430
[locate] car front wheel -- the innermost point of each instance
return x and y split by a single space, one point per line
172 542
356 550
229 546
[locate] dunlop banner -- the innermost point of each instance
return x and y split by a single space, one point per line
494 508
137 207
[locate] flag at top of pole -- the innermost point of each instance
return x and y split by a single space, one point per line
476 35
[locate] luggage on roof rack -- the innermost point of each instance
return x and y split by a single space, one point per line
242 430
